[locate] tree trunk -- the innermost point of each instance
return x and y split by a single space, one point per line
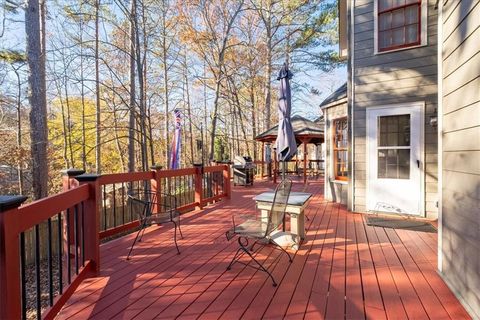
98 154
82 90
19 131
189 108
141 82
165 86
35 34
254 119
131 122
214 118
268 84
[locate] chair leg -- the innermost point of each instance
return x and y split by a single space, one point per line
234 259
143 232
179 229
175 237
142 227
245 249
260 265
253 245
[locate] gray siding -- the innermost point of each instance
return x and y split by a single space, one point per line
334 190
390 78
461 150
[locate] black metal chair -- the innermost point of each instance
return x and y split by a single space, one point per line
154 207
260 230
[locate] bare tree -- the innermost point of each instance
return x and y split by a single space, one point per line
35 31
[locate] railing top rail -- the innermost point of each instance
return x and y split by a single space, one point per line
38 211
215 168
125 177
176 172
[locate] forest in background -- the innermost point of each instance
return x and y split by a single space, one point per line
93 84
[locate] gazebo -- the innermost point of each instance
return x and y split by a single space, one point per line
306 132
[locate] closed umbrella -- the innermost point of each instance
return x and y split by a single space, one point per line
286 144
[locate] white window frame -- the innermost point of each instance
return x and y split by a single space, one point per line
423 29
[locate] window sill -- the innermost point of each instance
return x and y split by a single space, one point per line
400 49
339 181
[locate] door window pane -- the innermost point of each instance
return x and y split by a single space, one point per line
393 163
394 131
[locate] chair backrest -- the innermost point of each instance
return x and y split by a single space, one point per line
279 205
148 203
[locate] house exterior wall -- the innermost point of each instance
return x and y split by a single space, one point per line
334 190
460 136
408 75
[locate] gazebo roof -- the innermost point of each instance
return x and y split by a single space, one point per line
303 129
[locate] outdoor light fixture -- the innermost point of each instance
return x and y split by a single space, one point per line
434 119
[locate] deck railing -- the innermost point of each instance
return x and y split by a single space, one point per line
67 229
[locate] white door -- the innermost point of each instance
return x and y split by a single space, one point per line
395 158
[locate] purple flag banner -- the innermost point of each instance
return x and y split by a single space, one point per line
177 141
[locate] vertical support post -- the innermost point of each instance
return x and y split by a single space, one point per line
226 181
263 160
10 292
305 155
275 167
156 186
69 182
92 219
198 185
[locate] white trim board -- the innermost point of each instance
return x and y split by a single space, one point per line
394 109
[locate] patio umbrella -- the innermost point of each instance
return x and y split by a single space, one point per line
286 144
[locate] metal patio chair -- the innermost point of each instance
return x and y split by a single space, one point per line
154 207
259 230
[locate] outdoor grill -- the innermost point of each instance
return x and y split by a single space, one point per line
243 171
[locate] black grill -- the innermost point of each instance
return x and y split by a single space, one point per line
243 171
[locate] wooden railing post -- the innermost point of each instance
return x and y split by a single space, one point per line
92 219
199 185
156 185
226 181
10 292
69 182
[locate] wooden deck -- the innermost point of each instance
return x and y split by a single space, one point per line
344 269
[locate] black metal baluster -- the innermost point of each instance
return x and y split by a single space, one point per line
114 207
22 273
75 235
83 234
37 273
60 252
69 262
182 190
130 206
104 208
123 203
50 264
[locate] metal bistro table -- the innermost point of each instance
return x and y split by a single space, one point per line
297 202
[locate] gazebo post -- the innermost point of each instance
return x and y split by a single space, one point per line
274 165
263 159
305 142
